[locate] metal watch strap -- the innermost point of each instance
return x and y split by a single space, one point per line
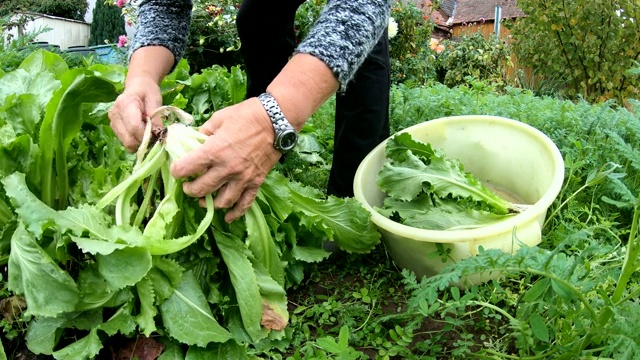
280 123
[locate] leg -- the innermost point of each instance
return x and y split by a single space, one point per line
362 118
266 31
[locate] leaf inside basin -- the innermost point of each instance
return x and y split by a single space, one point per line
426 189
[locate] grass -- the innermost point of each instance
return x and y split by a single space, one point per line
365 307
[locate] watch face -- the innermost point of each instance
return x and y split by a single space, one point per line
287 140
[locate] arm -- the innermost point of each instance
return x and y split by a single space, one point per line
163 23
329 57
157 46
345 33
239 152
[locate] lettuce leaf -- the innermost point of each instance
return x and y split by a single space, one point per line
428 190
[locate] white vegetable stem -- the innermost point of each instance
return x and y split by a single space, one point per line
181 139
174 142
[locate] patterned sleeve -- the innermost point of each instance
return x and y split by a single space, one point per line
164 23
345 33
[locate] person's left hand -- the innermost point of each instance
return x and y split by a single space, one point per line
234 161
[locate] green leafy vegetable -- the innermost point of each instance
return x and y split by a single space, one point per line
104 243
427 190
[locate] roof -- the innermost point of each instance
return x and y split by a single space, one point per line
439 16
448 6
467 11
451 12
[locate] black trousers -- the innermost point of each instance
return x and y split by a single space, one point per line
266 30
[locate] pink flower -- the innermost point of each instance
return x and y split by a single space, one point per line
121 3
123 41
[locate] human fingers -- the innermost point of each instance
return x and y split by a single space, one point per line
195 163
126 119
235 198
229 189
128 115
241 205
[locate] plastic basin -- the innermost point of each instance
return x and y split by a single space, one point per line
507 155
109 53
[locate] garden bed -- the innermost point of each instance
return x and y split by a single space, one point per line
566 297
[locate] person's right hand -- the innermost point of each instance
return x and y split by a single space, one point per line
128 116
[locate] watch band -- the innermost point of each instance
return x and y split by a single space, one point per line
285 134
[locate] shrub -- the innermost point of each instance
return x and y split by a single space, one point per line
306 16
107 23
213 37
590 45
68 9
15 48
411 58
9 6
474 56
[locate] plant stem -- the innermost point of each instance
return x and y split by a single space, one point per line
630 265
506 356
148 194
593 179
169 246
373 305
555 211
493 307
62 172
123 203
152 163
628 268
144 145
583 299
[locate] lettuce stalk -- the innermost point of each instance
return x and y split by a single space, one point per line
174 142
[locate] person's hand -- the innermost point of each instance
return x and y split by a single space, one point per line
234 161
129 113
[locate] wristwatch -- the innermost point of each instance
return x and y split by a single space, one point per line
286 136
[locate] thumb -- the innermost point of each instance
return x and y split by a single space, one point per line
150 105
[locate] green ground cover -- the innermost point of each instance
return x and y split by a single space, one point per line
574 296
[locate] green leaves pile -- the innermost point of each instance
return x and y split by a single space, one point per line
429 191
88 275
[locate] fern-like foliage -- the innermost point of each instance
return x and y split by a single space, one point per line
559 312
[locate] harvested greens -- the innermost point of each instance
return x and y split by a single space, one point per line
427 190
101 245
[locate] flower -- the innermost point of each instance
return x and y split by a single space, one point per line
121 3
123 41
213 10
392 28
435 45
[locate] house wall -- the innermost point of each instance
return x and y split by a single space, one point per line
63 32
485 28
